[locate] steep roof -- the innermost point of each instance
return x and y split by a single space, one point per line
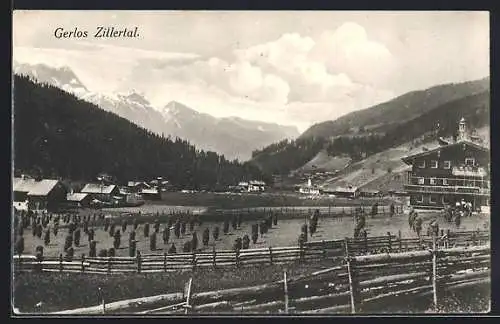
77 196
33 187
98 188
409 159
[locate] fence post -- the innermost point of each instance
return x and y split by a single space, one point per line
188 297
399 238
285 286
60 262
365 236
271 255
109 264
324 248
83 263
193 261
390 241
165 261
352 284
139 261
214 258
434 273
237 258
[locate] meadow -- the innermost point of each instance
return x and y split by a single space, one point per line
285 233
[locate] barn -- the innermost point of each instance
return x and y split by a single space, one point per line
41 195
101 192
78 199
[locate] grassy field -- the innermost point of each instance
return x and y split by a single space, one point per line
60 291
284 234
246 200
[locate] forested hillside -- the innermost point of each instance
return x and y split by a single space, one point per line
400 109
58 135
440 121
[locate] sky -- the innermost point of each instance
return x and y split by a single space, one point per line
287 67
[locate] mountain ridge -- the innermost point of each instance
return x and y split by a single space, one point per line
236 141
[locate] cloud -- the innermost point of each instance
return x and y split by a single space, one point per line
334 66
294 79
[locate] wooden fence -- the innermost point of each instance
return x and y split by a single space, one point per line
334 250
346 288
300 212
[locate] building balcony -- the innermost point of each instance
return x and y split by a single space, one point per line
447 189
466 171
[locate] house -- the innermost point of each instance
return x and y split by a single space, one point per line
101 192
449 174
369 193
150 194
346 192
42 195
78 199
136 186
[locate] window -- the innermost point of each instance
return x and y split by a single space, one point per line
419 198
469 161
445 182
447 164
432 181
433 199
421 164
420 181
434 164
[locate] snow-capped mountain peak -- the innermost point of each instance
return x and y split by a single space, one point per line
233 137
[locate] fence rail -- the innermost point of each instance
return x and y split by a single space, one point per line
348 287
334 250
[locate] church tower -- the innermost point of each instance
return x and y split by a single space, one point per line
462 131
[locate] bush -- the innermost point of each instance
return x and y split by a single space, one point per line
215 233
39 253
146 230
166 235
77 237
194 241
136 223
86 227
112 230
206 236
19 247
132 246
111 252
92 248
117 239
91 234
106 224
103 253
187 247
131 236
177 229
69 254
71 228
255 236
237 244
68 242
124 225
56 229
246 242
183 228
157 226
172 249
226 227
152 241
46 238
